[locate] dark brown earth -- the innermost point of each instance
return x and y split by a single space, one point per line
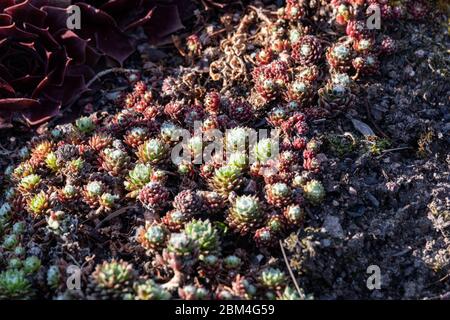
389 209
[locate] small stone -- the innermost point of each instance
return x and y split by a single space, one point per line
420 53
332 226
373 200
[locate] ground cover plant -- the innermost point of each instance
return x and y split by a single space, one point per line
97 202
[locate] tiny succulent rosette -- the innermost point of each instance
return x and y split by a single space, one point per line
314 192
272 278
205 234
153 236
149 290
137 178
111 280
245 214
182 252
152 151
335 98
14 284
307 50
153 196
226 179
192 231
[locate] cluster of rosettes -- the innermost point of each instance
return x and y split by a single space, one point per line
78 176
20 272
117 279
296 65
346 10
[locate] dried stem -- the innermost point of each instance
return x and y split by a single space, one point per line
297 287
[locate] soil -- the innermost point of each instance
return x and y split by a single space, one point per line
390 210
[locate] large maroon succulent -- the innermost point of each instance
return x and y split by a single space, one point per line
159 18
45 66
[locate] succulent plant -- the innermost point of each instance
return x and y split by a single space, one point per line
279 195
192 292
53 277
236 139
212 102
339 56
213 202
290 293
300 91
188 202
205 234
31 265
149 290
152 151
265 149
14 285
115 161
356 29
335 97
111 280
364 45
137 178
271 79
243 287
294 10
175 220
100 141
51 161
343 12
153 236
232 262
153 196
226 179
307 50
294 214
92 193
175 110
136 136
240 111
170 132
272 278
277 115
29 183
85 124
50 54
314 192
108 201
10 242
245 214
38 204
367 65
264 237
181 252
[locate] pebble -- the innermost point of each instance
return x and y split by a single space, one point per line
352 191
420 53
